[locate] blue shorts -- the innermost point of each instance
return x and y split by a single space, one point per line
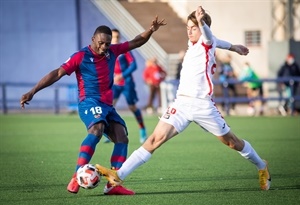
92 111
128 92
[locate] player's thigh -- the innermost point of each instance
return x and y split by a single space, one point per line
117 132
176 115
161 134
208 117
116 129
164 130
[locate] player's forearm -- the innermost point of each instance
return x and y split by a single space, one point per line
206 33
141 39
232 48
145 36
130 69
46 81
240 49
223 44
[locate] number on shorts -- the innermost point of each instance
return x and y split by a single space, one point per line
96 110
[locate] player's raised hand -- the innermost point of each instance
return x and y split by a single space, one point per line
200 13
25 99
142 38
157 23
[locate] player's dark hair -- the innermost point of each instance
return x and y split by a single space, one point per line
103 29
206 18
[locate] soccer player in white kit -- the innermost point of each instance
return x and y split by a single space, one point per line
194 103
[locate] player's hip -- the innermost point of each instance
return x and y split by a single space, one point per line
92 111
203 112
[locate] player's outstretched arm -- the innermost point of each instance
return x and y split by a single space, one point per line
46 81
240 49
142 38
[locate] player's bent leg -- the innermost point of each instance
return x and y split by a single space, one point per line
110 174
232 141
73 186
161 134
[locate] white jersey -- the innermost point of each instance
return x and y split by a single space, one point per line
193 101
197 71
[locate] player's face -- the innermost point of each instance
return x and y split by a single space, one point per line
193 31
115 37
101 43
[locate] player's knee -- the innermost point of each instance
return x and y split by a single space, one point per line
122 139
232 141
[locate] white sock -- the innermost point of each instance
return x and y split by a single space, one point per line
249 153
136 159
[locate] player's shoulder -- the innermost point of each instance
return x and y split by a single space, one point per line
81 51
86 49
79 55
119 45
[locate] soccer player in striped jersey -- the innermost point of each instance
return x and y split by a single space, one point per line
94 69
194 103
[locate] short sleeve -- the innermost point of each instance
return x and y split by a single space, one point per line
72 64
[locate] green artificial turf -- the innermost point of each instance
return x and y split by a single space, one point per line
39 152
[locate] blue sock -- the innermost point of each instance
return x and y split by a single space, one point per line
87 150
119 155
139 118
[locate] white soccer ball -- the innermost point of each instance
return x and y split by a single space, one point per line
88 176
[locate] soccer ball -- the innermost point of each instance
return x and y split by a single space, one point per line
88 176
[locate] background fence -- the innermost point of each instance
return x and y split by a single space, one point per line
63 97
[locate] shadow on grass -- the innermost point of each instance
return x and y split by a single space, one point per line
44 192
297 187
68 196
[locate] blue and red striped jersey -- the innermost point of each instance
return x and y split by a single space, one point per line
95 72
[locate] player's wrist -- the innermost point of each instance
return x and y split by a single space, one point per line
152 29
232 48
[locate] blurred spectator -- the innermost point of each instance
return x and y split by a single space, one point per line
153 75
289 69
226 73
254 89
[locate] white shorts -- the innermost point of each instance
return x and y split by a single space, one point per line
203 112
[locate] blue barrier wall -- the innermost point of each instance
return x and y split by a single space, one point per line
37 36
